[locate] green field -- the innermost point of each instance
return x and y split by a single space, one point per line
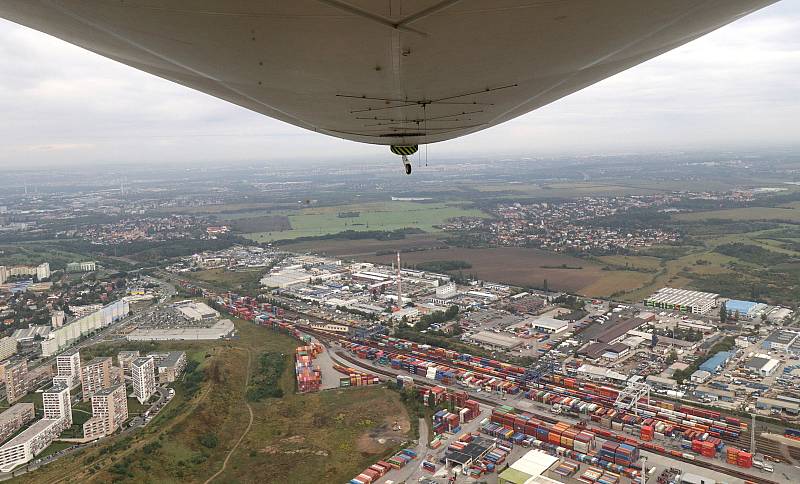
594 188
631 262
312 222
35 254
789 213
228 280
324 437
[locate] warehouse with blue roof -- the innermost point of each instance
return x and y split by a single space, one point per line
746 309
717 362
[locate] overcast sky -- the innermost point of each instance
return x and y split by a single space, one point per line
736 88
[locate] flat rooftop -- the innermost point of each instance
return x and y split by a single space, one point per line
219 330
34 430
496 339
782 336
15 412
472 451
97 360
545 322
611 330
172 358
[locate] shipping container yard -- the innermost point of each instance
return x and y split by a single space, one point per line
604 439
488 413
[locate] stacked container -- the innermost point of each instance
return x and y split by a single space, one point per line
704 448
309 377
647 433
444 421
739 457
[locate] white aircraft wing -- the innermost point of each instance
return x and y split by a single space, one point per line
382 71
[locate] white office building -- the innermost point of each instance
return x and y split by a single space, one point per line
43 271
446 291
57 319
69 364
143 374
94 318
58 404
88 266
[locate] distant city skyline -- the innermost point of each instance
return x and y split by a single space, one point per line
735 88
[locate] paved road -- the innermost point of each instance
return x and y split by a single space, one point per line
408 473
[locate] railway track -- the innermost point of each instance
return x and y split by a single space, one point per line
327 338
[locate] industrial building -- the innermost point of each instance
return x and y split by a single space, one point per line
197 311
683 300
109 412
221 329
16 377
598 373
779 315
472 452
696 326
763 365
606 339
286 277
714 394
716 362
95 376
780 340
791 408
595 351
144 378
530 468
700 376
27 335
744 309
545 324
496 340
661 383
